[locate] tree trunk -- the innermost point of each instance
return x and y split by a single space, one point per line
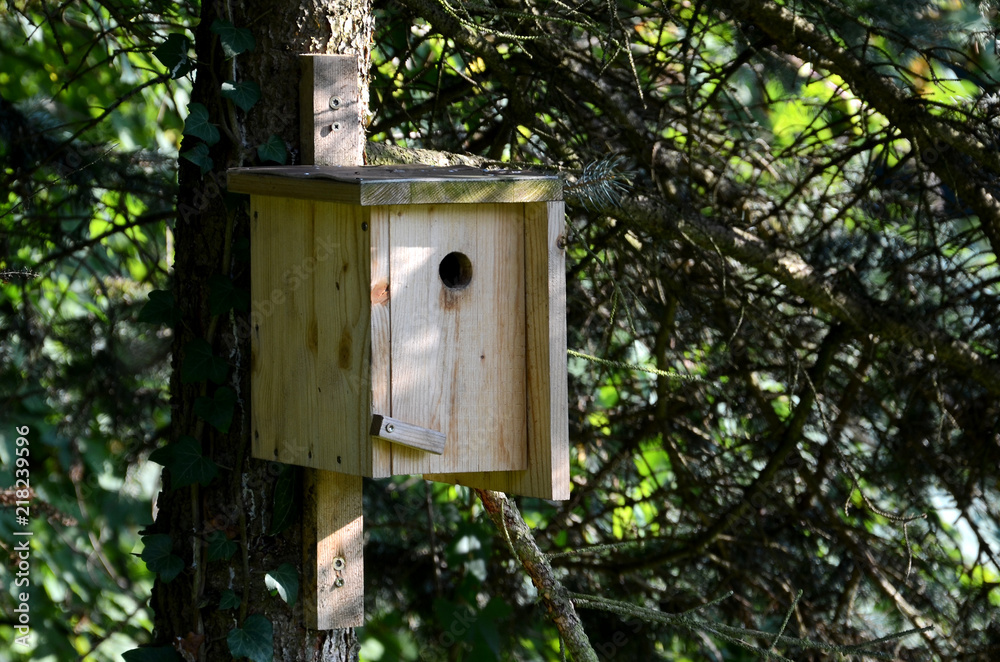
211 243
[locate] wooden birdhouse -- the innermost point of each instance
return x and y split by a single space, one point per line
410 320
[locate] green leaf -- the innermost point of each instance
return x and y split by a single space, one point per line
234 40
244 95
254 640
157 654
197 124
283 513
224 295
173 53
157 552
217 410
220 548
201 364
273 150
198 155
159 309
284 580
229 600
186 463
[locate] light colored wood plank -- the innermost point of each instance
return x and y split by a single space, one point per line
310 320
330 133
397 185
547 475
333 551
283 372
343 315
404 434
458 354
381 300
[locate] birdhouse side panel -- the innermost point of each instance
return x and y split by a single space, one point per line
310 383
457 326
547 472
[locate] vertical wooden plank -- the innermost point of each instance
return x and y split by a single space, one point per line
330 111
283 365
332 133
333 551
458 352
341 339
381 302
547 475
311 341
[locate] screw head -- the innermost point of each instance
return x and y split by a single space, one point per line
390 427
335 102
338 582
339 563
336 126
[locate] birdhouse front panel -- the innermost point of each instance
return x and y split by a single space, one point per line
410 320
457 298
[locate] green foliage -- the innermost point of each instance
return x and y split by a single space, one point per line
244 94
218 409
159 309
173 54
186 463
198 155
220 548
229 600
284 581
157 553
198 125
254 640
273 150
201 363
234 40
225 296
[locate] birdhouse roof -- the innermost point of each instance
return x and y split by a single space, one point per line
397 185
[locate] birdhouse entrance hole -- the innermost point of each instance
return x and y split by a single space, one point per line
455 270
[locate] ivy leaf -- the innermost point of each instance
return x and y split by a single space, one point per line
234 40
244 94
217 410
283 513
186 463
198 155
254 640
224 295
220 548
273 150
229 600
151 654
284 580
173 53
159 309
197 124
158 554
201 364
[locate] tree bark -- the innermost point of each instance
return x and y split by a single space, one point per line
210 235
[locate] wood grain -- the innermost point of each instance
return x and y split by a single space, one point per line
332 550
458 354
547 474
311 334
404 434
330 135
